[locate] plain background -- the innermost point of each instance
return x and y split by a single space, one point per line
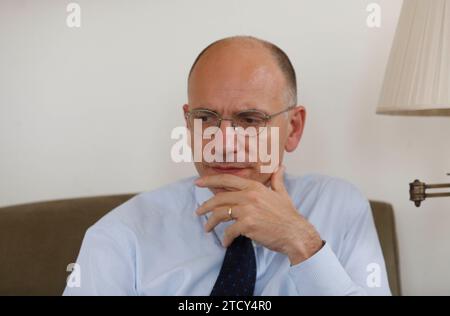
89 111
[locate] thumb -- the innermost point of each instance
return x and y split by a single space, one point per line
277 180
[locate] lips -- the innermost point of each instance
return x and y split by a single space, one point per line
229 169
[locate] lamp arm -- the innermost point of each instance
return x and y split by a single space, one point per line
417 191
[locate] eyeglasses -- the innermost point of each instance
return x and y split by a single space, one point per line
249 122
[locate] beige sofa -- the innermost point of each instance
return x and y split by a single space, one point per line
39 240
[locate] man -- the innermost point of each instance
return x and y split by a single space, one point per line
236 230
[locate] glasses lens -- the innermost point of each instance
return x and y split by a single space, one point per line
250 122
207 118
250 119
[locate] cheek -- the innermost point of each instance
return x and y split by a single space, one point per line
277 140
282 138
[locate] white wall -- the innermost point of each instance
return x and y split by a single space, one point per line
89 111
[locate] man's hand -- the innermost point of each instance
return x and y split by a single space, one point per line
264 215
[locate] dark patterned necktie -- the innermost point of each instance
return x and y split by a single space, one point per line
237 276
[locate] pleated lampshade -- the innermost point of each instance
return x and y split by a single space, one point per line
417 78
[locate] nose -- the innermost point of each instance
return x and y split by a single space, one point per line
227 130
224 124
228 139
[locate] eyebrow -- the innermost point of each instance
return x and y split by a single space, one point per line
205 109
238 112
252 110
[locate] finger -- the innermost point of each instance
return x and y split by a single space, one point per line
277 180
221 199
231 233
220 215
227 181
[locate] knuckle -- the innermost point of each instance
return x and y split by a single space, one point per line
253 196
244 210
219 196
248 223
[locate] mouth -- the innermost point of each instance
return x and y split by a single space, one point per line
235 169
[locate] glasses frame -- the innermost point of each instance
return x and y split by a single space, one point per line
220 118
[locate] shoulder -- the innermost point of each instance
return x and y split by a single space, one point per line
329 194
321 183
149 209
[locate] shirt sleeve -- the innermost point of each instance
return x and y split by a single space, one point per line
359 267
105 264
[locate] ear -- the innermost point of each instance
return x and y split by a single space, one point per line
295 129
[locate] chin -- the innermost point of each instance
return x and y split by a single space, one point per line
251 172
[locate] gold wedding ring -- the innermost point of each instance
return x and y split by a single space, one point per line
230 213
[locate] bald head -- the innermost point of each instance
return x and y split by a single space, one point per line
254 50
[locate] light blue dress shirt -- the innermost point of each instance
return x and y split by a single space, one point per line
154 244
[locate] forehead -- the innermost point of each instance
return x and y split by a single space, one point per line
237 78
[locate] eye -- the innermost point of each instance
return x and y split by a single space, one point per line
206 117
251 119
